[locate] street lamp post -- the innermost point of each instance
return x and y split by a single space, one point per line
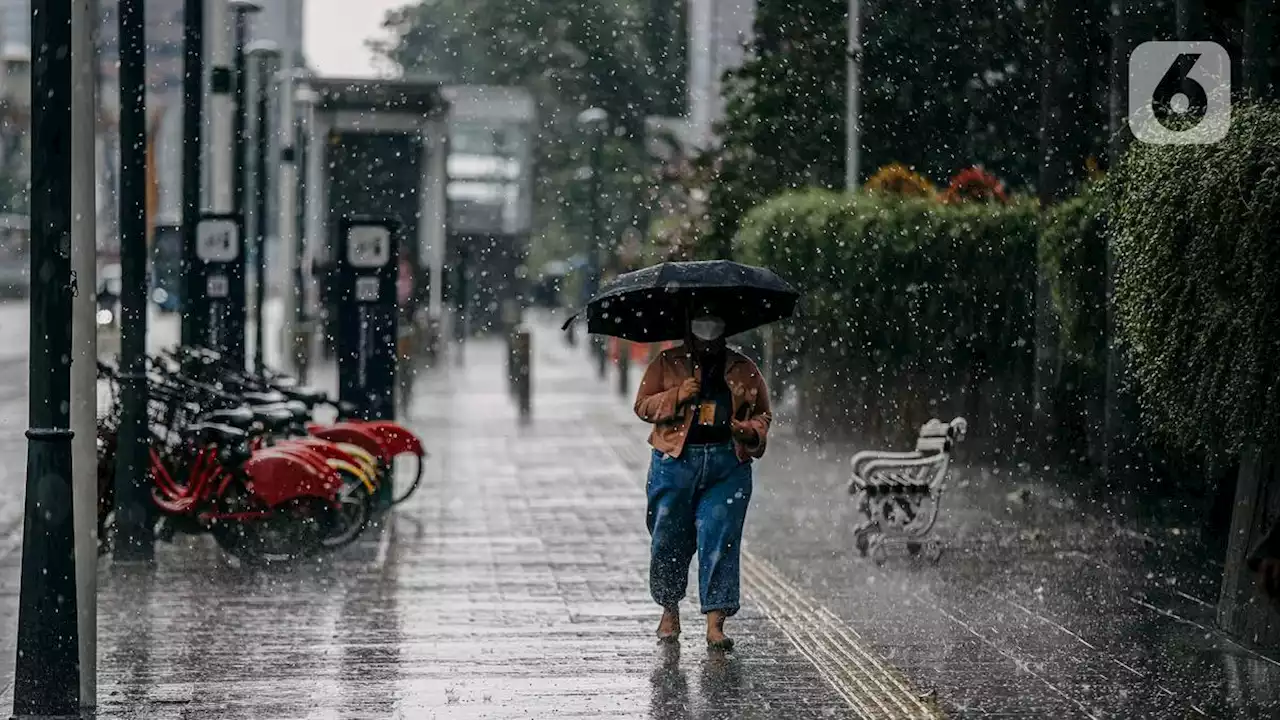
84 336
308 297
47 670
192 121
595 122
135 539
241 10
853 62
287 215
265 60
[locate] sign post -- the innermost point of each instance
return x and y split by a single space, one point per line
218 271
366 267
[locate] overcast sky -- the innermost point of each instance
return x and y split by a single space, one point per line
335 32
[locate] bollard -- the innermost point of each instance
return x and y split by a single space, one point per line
432 341
624 368
602 355
522 361
302 350
512 359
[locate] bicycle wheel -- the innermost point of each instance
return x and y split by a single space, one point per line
295 530
397 498
353 513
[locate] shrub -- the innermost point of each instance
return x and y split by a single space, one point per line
911 308
898 179
1073 254
975 185
1197 244
1073 259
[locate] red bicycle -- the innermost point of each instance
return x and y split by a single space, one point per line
210 471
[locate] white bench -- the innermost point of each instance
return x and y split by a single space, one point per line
899 493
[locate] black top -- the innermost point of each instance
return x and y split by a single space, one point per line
714 390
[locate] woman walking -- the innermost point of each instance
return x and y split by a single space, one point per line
710 413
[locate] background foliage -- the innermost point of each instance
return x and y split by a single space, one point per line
911 309
1198 282
784 115
625 56
1073 254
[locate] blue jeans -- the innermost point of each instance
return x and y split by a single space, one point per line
697 502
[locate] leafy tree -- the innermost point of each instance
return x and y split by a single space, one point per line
784 114
625 57
946 84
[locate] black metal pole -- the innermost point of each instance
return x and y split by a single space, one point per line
135 539
301 133
597 152
192 121
47 671
240 148
597 266
262 187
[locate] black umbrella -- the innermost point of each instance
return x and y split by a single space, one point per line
654 304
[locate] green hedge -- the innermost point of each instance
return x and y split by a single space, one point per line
1073 259
1197 236
911 308
1073 255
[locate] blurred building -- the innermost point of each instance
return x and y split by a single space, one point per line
490 199
719 31
15 168
15 122
279 21
491 131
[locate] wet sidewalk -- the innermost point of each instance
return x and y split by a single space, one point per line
1046 603
513 585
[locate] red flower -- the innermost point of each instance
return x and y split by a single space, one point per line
975 184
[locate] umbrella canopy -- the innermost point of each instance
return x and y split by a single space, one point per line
654 304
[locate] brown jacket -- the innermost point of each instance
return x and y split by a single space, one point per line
656 401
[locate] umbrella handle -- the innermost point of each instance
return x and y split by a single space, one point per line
688 341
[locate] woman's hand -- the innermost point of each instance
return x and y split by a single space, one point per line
689 390
742 432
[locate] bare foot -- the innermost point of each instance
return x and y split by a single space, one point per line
669 626
716 639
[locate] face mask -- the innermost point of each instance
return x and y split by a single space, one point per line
707 329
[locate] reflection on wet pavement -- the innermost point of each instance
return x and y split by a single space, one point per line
1043 605
512 585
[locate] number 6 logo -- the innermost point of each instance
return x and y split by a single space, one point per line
1179 93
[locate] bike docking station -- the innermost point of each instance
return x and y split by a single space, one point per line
219 312
366 267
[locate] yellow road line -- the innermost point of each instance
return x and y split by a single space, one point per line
875 690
